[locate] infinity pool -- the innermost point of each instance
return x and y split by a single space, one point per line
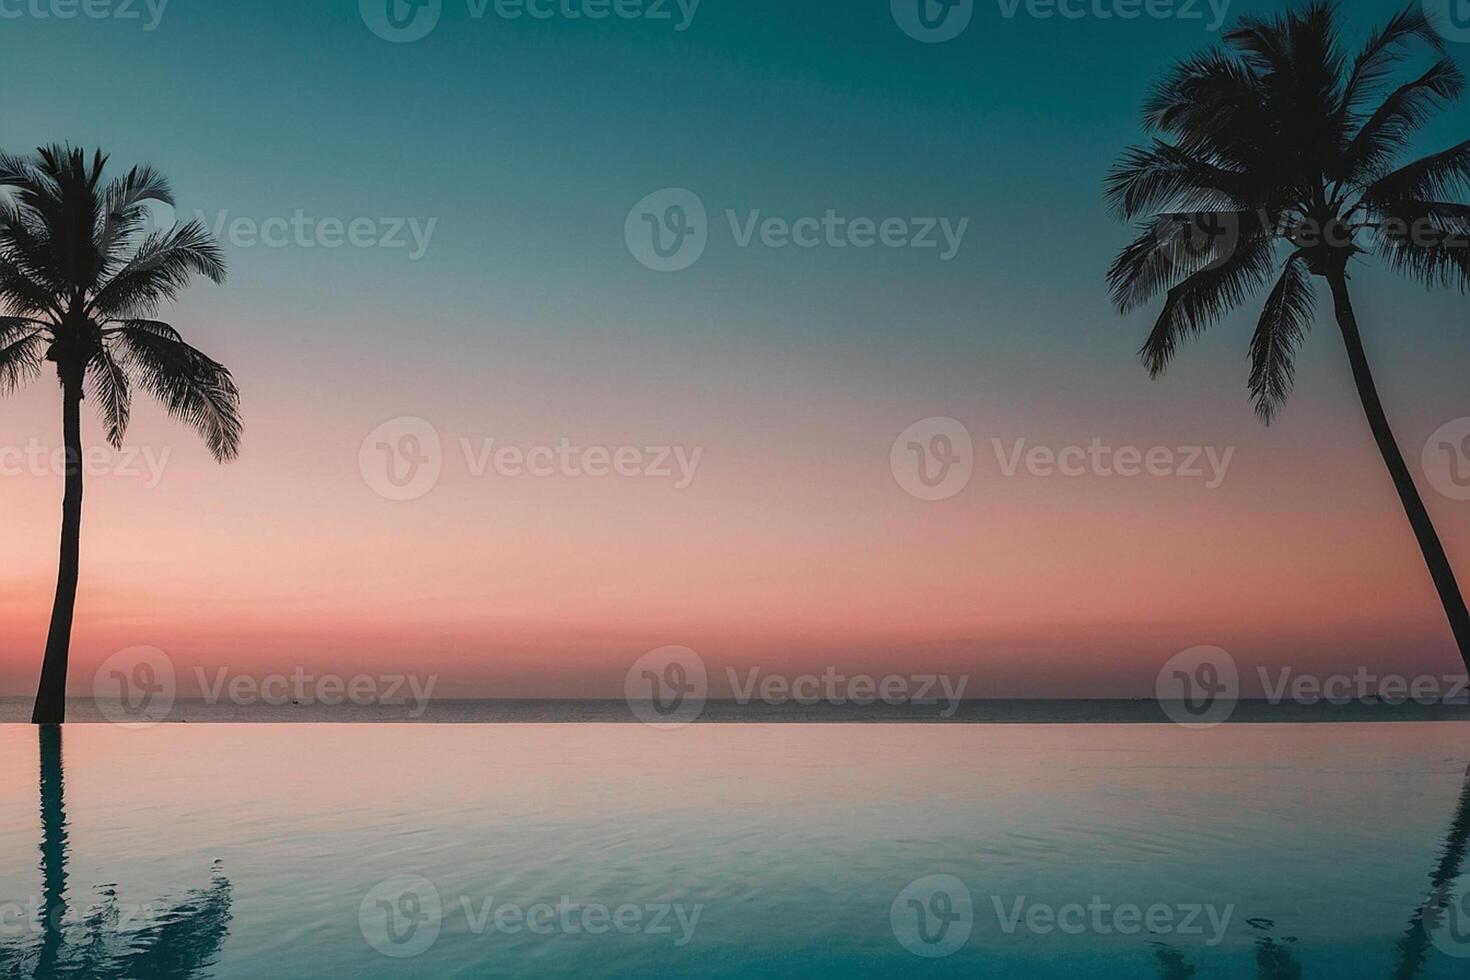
735 850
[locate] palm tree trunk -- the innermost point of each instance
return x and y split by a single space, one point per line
51 695
1429 543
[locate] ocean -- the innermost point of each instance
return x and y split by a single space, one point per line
17 710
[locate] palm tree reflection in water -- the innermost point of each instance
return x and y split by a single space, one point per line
181 939
1274 961
1416 941
178 939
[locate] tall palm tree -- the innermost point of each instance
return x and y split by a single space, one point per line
1279 143
81 280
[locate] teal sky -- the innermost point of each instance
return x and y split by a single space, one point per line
530 140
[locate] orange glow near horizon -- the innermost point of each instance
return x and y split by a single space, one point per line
791 557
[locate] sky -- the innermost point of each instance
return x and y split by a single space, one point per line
494 173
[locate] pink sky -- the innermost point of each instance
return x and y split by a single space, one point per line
794 549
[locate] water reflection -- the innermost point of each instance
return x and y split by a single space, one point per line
1340 846
176 939
1417 940
1274 959
53 850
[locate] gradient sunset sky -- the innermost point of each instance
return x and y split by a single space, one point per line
527 320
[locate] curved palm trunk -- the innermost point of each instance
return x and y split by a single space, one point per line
51 695
1429 543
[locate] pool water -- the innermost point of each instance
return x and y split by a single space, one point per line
735 850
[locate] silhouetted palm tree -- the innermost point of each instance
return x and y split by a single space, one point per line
81 279
1278 142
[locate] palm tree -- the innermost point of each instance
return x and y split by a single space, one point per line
81 278
1279 142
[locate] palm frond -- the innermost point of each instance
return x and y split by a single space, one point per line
1198 302
159 271
26 245
1439 177
1427 241
1163 176
21 294
1284 322
124 206
1175 245
1262 42
110 389
1383 52
1410 106
21 357
1212 105
1435 217
12 327
33 185
1146 266
193 388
